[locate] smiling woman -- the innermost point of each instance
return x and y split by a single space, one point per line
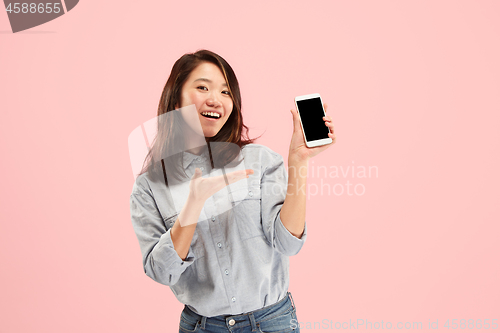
207 89
206 80
229 267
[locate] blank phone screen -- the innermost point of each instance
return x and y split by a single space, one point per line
311 114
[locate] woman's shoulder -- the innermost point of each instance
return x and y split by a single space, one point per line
146 182
262 155
141 182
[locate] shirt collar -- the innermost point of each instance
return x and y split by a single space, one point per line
188 158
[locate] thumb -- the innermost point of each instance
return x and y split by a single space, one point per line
197 173
296 120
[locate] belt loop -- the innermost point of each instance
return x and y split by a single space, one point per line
203 322
293 303
252 322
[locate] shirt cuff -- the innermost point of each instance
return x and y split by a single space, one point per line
287 243
177 265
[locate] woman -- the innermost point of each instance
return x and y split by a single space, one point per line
229 266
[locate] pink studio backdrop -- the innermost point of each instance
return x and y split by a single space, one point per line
413 88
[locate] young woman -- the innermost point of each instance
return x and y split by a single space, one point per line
228 266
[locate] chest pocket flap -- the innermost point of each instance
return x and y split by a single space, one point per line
247 211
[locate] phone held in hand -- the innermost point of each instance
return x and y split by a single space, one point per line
311 113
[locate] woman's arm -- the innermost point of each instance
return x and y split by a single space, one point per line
182 235
200 189
165 251
159 257
293 212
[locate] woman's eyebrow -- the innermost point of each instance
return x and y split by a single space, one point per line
209 81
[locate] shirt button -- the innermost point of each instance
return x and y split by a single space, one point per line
213 218
198 159
233 299
226 271
232 322
250 193
219 244
202 168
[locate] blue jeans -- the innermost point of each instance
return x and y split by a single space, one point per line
279 317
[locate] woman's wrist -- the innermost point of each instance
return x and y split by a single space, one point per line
191 211
195 201
297 160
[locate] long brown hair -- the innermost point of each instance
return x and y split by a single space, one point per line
170 133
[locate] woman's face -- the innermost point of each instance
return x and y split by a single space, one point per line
207 90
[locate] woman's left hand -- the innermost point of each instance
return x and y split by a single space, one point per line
298 149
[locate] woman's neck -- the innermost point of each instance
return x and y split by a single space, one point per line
196 150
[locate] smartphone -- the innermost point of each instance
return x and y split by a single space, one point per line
311 112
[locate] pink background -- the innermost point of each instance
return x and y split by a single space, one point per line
413 88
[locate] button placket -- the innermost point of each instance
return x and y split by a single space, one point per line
215 226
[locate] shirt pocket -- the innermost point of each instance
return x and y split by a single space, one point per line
247 212
196 243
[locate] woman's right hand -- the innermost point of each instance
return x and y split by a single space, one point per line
200 189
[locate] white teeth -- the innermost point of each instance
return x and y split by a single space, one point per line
213 114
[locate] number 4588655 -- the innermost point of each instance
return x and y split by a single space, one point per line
32 8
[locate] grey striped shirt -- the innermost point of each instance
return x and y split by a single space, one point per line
238 260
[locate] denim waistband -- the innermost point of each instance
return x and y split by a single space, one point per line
245 319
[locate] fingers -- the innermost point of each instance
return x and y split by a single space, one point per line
206 187
231 177
197 173
238 175
296 122
329 123
333 137
326 118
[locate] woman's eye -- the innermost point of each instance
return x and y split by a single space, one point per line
202 88
226 92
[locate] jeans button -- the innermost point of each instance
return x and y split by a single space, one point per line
231 322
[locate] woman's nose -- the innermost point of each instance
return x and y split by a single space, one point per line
213 101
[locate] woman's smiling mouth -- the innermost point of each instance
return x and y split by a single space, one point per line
211 115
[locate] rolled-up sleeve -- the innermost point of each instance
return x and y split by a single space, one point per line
160 260
274 184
